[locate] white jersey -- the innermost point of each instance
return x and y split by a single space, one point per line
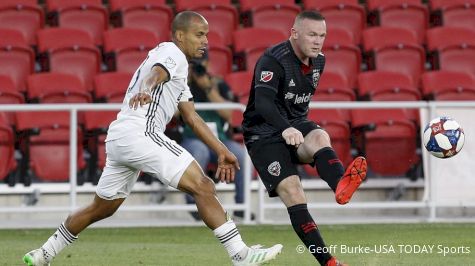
154 117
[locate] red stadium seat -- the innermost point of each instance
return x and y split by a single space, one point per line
25 16
453 49
47 153
69 51
339 36
407 14
96 124
215 38
341 14
391 147
7 150
389 86
111 87
240 84
87 15
343 59
394 50
220 60
125 54
151 15
333 87
57 88
454 13
9 93
17 59
221 15
278 15
252 42
337 126
450 86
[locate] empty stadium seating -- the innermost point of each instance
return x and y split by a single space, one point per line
57 88
17 59
111 87
26 16
151 15
341 14
446 85
69 51
88 15
7 150
387 138
456 13
125 53
240 83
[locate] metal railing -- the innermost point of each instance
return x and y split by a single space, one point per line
428 200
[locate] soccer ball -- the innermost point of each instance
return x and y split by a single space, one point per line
443 137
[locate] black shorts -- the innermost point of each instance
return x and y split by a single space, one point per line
275 160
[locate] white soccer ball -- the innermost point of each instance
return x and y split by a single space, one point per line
443 137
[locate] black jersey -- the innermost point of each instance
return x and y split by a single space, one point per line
279 69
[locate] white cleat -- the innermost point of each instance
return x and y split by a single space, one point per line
35 258
258 255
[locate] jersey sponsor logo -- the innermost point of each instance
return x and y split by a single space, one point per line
315 77
274 168
266 76
291 83
170 63
303 98
289 95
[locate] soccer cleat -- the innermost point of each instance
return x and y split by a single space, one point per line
334 262
258 255
351 180
35 258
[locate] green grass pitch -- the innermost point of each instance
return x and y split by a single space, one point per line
390 244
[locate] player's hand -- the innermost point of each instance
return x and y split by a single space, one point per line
227 165
141 99
292 136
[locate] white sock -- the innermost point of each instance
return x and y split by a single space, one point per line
59 240
229 236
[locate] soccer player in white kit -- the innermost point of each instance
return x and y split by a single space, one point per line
136 143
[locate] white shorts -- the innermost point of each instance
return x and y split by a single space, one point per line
154 154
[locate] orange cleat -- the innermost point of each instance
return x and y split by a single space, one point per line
334 262
351 180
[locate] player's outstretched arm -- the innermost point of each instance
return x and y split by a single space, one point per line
148 84
227 162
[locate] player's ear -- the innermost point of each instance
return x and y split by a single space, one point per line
294 33
180 35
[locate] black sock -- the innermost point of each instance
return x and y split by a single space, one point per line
308 232
329 167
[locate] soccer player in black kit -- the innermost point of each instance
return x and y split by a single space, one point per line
278 135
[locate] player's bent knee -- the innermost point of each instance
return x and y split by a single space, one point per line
204 187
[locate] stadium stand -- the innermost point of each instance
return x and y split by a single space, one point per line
452 49
17 59
249 43
448 86
346 15
69 51
111 87
57 88
9 92
25 16
88 15
45 142
455 13
151 15
387 138
395 50
278 15
7 151
240 84
125 54
407 14
221 15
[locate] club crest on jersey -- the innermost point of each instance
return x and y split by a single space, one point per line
274 168
315 77
170 63
266 76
